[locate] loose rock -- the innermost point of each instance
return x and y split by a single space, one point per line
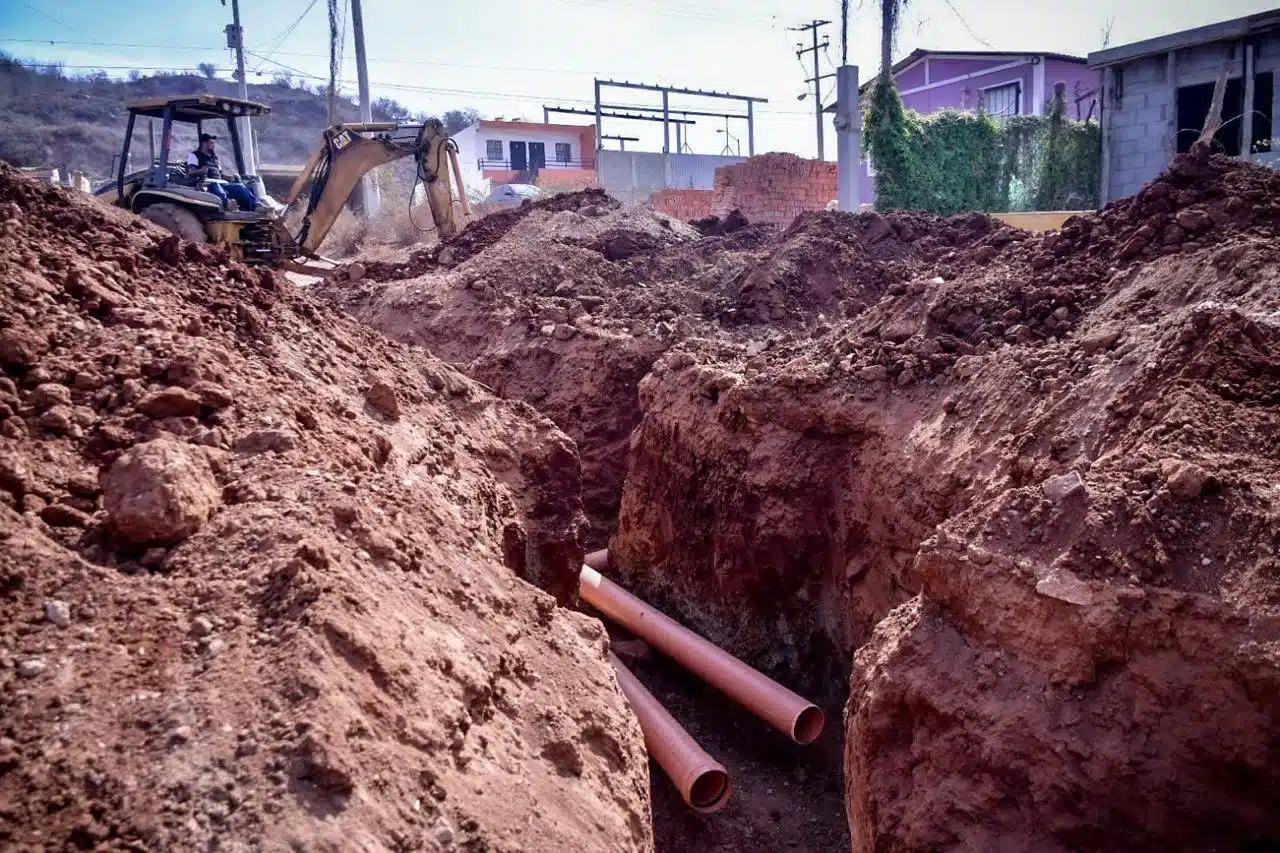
159 493
58 612
382 397
31 668
172 402
50 394
1058 489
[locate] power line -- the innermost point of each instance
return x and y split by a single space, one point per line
47 16
284 36
969 29
302 54
307 55
478 93
402 87
519 98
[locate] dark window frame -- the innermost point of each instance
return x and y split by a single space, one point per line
1191 106
1016 103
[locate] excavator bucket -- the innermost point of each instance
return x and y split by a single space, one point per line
337 273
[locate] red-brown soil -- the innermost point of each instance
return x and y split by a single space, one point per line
258 573
269 580
1028 482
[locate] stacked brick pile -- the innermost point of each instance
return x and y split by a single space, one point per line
774 188
685 205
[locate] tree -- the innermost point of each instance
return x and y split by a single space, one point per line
456 120
890 13
208 69
284 79
389 109
844 32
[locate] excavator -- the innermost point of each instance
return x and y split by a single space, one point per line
166 195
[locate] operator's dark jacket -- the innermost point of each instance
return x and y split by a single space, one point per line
199 160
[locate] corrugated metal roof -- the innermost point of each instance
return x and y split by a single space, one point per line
1236 28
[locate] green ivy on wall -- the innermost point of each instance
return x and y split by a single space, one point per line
955 162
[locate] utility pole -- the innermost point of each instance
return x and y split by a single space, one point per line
334 71
235 41
369 188
818 76
848 138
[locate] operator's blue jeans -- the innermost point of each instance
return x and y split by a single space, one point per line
243 195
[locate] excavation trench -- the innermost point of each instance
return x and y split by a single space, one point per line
784 543
1021 487
1005 480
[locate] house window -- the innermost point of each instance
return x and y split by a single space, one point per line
493 150
1002 101
1192 107
564 152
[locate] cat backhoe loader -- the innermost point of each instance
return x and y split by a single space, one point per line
168 196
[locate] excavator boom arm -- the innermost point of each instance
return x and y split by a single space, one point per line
349 151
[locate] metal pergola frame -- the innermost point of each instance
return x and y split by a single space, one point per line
667 113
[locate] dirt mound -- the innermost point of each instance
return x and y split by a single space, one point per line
258 572
716 226
483 233
922 292
556 314
1048 447
940 445
1111 606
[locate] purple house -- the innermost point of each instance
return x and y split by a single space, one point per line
1003 84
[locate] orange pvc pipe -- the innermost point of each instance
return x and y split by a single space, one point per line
598 560
701 780
788 712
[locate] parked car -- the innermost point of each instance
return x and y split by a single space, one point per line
513 192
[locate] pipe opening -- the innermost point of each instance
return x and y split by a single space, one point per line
710 791
808 725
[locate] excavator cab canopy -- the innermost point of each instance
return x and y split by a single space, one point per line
200 110
197 108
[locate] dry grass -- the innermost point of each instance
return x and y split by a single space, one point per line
395 226
346 237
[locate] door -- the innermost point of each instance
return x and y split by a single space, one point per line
519 157
537 156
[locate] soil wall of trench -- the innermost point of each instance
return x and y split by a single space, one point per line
261 573
1021 487
1032 500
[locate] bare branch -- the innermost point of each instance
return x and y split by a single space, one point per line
1213 121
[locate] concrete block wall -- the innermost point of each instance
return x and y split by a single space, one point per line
774 188
1144 125
634 176
566 179
1141 125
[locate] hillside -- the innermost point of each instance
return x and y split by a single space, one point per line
50 119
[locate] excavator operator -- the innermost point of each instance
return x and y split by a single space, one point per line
206 172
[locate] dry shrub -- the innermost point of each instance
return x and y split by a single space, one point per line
346 237
396 225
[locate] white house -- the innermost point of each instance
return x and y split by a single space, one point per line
517 152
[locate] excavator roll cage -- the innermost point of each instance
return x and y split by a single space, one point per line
163 193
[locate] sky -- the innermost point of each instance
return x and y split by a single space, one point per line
510 58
